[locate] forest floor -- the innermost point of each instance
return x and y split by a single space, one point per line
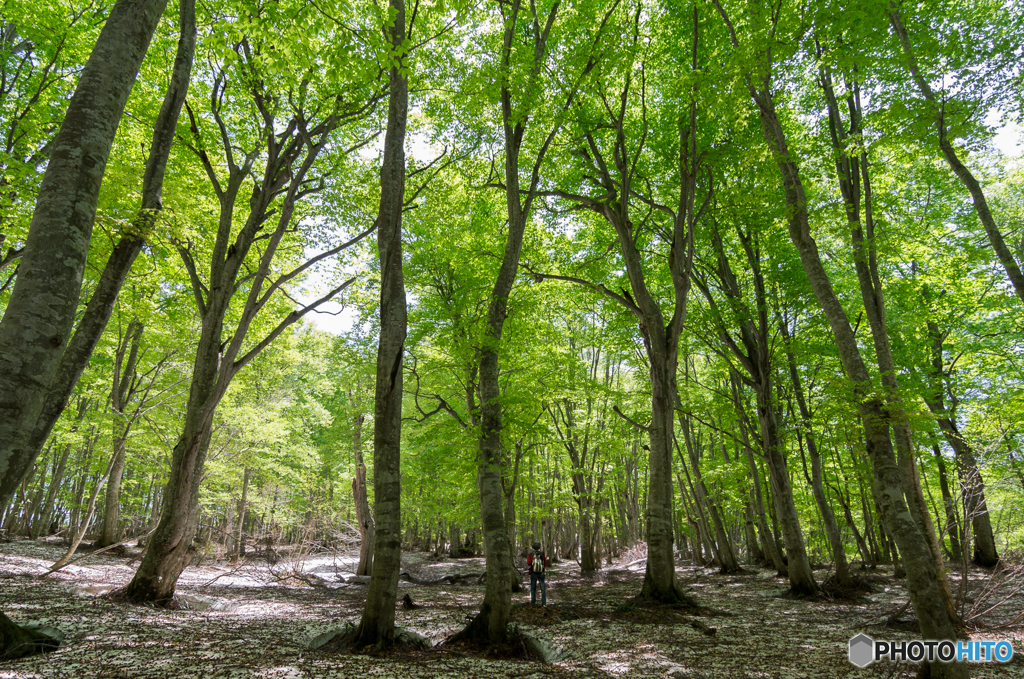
257 620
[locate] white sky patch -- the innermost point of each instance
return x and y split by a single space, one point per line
1009 137
335 317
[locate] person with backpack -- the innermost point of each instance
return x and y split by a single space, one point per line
537 563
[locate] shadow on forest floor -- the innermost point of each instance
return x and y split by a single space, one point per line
255 619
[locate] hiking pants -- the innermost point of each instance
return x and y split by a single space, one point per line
536 578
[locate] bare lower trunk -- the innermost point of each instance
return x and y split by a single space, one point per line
660 582
359 497
491 623
377 625
168 550
109 533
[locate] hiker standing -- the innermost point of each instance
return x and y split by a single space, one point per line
537 563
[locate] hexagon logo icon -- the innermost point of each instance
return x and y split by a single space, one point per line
862 650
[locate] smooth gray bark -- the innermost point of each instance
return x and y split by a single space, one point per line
41 310
853 176
115 271
490 625
377 626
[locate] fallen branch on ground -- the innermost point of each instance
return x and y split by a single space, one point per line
98 551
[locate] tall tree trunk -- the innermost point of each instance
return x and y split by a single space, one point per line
801 578
490 625
985 553
123 383
73 360
660 583
854 182
377 626
168 550
949 504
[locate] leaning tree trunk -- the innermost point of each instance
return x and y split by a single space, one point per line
94 320
33 335
377 626
853 177
938 111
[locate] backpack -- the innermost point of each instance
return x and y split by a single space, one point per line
538 563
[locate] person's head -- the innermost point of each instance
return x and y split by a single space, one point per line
536 546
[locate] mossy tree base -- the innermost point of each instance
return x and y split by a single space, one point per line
18 642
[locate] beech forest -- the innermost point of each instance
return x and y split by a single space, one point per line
508 338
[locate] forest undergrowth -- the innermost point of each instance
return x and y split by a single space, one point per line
256 619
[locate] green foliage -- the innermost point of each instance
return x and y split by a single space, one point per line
294 415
